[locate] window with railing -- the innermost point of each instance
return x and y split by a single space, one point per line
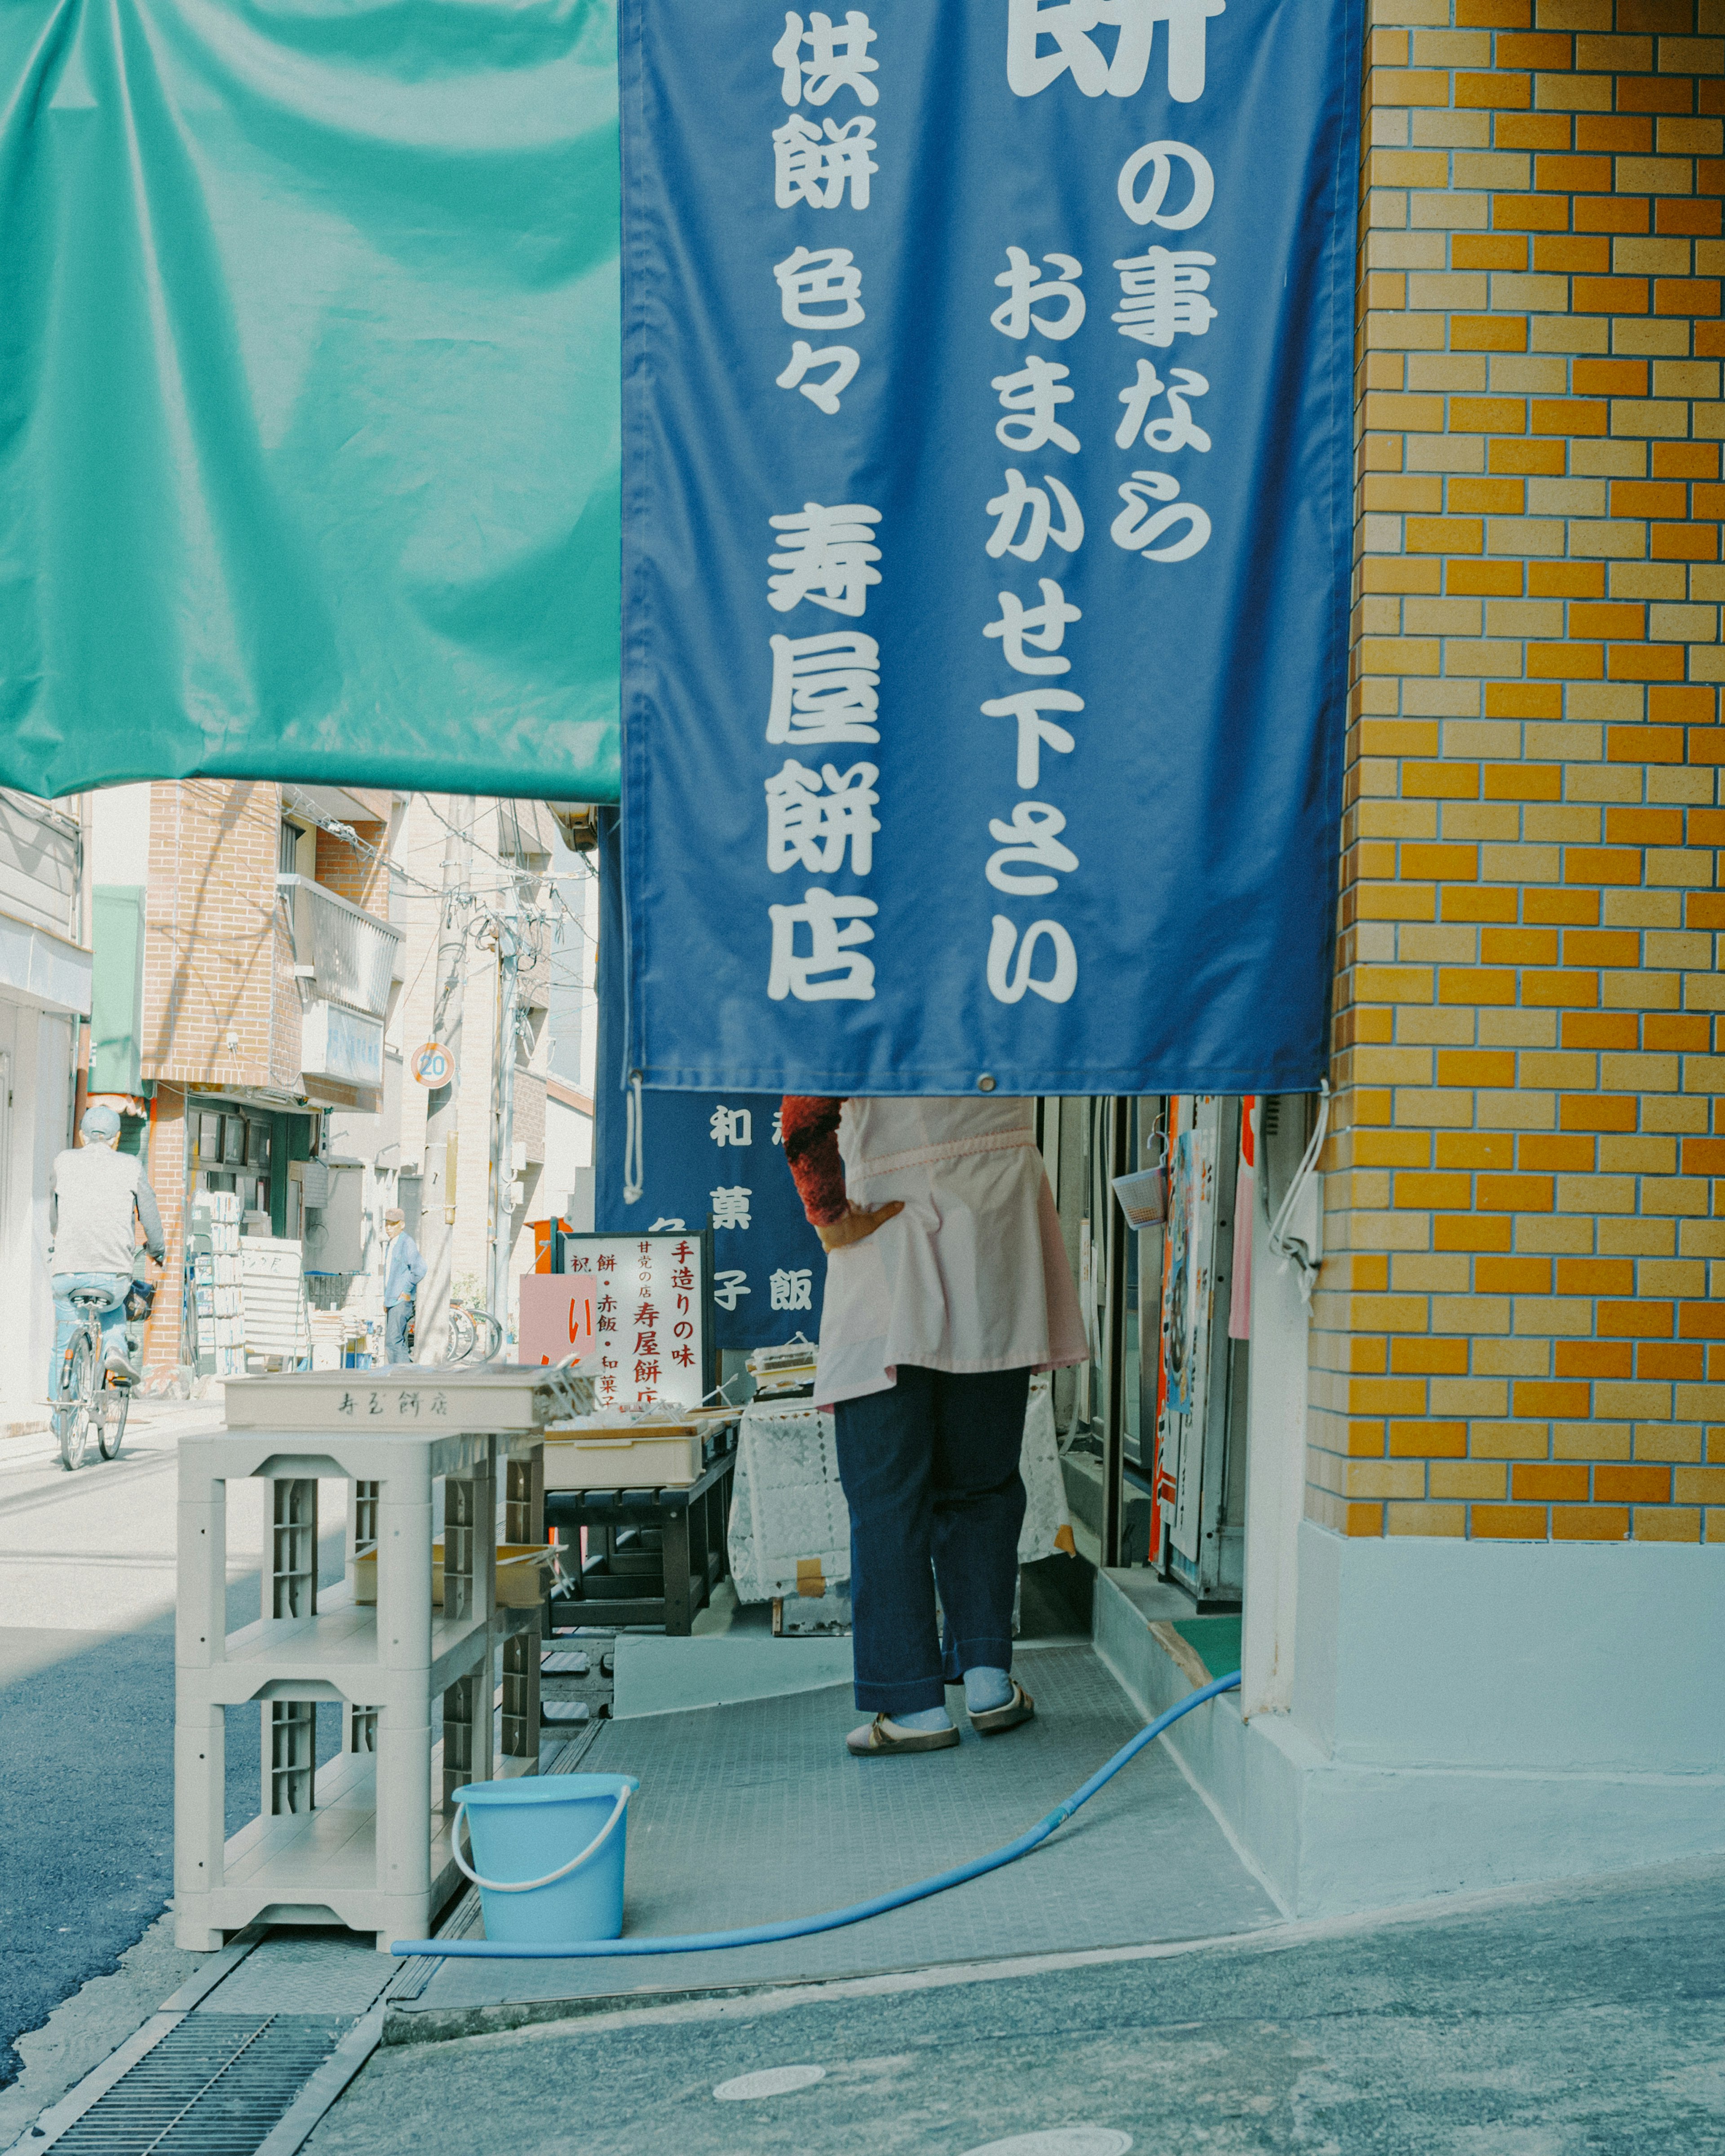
40 863
345 954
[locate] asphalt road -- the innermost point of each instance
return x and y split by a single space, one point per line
86 1705
1538 2024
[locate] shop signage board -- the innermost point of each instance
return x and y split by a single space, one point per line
708 1157
986 429
704 1156
633 1311
337 1042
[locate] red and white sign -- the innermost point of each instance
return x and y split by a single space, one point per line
632 1309
557 1318
432 1066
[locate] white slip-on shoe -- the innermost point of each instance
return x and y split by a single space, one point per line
881 1736
992 1720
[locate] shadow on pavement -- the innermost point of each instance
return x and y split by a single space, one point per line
86 1797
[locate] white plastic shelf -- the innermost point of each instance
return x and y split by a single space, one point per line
323 1863
363 1840
338 1646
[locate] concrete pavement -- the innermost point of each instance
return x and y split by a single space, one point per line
1537 2022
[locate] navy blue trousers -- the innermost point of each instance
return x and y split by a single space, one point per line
396 1320
930 1473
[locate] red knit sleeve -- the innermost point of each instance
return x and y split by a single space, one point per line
811 1150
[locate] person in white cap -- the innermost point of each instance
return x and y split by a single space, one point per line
97 1201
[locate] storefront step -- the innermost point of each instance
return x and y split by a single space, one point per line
657 1676
1082 1474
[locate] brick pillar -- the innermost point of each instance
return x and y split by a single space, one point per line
166 1175
1517 1334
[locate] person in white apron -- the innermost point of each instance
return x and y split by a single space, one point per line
946 1287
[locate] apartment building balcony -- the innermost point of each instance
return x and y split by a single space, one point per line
346 962
44 958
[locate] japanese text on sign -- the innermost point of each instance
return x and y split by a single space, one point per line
820 817
634 1310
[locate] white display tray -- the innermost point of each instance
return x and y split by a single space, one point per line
426 1398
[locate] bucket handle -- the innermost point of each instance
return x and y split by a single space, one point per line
551 1878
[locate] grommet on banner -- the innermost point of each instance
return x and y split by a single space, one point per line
985 1084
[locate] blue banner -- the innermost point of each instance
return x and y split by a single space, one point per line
987 394
703 1156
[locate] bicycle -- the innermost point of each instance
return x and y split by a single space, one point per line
92 1398
475 1335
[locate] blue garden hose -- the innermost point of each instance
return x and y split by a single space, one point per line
800 1928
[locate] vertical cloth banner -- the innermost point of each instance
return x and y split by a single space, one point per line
985 530
308 368
703 1154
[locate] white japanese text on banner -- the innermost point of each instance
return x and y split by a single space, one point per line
987 394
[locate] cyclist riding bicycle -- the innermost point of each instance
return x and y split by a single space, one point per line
96 1198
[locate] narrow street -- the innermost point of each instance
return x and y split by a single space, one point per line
87 1704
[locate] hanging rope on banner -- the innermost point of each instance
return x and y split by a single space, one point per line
633 1174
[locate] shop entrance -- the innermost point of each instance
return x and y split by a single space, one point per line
1153 1428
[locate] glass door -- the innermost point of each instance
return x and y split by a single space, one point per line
1200 1479
1105 1408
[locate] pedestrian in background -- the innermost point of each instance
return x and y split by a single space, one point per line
401 1276
97 1199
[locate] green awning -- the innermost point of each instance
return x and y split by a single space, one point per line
308 459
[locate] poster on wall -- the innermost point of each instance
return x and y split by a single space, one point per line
985 535
1178 1326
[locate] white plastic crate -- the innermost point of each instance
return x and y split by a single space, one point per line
641 1456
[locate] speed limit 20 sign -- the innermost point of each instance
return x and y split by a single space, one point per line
433 1065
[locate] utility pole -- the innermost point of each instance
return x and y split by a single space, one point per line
502 1211
431 1331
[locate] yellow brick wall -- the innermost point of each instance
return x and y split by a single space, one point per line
1517 1334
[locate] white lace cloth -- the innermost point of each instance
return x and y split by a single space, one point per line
788 1508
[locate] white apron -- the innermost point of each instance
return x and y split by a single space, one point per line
972 1274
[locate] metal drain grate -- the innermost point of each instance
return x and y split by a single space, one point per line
214 2086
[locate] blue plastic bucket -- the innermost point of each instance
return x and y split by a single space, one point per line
548 1853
